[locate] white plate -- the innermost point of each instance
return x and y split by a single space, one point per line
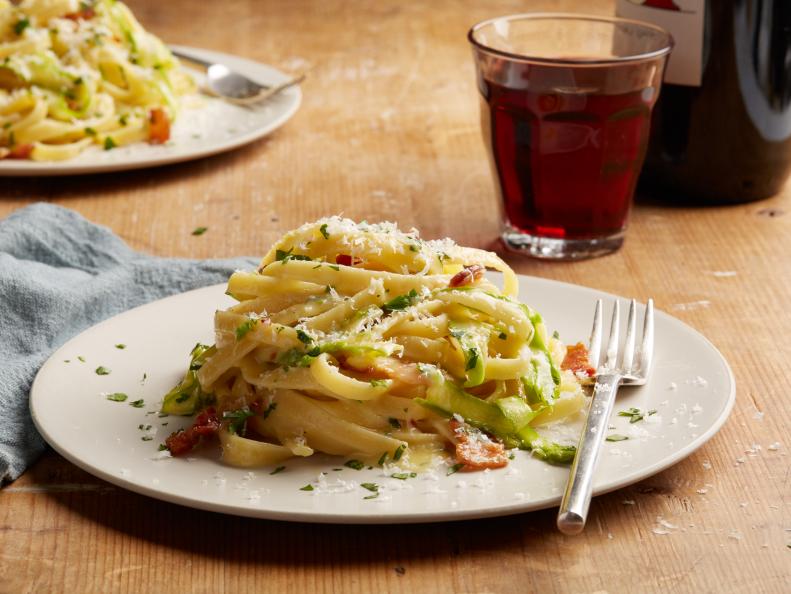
692 388
206 126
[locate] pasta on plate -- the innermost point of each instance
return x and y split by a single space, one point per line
362 341
76 74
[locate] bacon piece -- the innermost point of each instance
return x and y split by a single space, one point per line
467 276
576 360
184 441
347 260
19 151
158 126
85 14
475 449
400 372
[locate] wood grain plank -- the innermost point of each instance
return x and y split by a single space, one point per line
389 130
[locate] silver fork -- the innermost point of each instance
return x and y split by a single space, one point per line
233 86
633 370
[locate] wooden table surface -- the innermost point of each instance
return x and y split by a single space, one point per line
389 130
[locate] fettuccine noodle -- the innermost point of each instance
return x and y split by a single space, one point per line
361 341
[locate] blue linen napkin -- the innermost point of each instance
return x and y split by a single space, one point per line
60 274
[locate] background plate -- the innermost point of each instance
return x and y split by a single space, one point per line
692 389
206 126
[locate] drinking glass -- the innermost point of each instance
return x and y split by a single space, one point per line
565 112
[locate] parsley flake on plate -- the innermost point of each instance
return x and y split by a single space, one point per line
373 488
616 437
454 469
635 414
356 464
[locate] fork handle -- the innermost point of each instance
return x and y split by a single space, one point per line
577 498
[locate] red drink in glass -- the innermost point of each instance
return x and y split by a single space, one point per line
567 136
567 163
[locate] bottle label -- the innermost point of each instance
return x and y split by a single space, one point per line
684 20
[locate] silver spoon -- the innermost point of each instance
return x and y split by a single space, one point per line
233 86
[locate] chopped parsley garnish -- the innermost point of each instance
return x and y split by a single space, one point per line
238 420
413 248
394 423
399 452
270 409
298 357
401 302
21 25
635 414
90 131
373 488
283 256
323 230
306 488
472 359
147 438
356 464
402 476
117 397
199 230
138 403
556 335
120 346
123 119
101 370
382 459
244 328
162 447
502 336
81 359
278 469
183 397
109 143
379 383
304 336
335 267
454 469
616 437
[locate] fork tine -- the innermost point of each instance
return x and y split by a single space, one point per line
628 347
647 347
594 345
615 331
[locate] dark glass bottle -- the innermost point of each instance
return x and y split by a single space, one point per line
729 139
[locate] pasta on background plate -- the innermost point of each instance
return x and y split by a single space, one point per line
362 341
75 74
